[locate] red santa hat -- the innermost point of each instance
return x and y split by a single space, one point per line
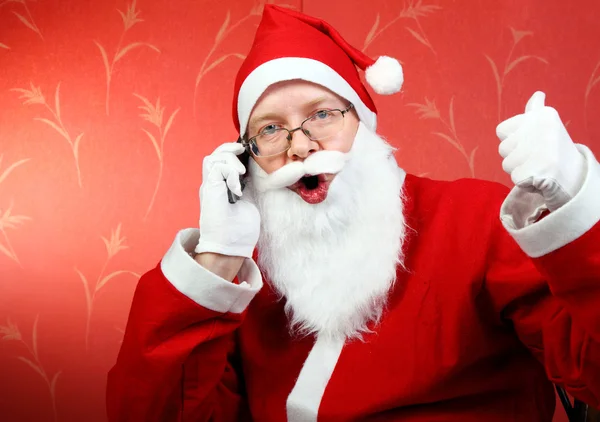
291 45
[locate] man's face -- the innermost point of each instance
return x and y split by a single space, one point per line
287 104
308 249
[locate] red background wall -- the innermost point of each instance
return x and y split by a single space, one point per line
107 108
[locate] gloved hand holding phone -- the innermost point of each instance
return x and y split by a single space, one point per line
226 228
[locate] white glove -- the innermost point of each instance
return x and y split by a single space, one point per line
539 154
227 229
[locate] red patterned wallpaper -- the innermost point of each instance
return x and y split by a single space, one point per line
107 108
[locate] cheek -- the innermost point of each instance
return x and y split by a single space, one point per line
343 143
269 166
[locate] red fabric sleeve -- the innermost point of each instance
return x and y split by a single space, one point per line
177 361
553 302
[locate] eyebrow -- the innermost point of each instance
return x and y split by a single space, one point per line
270 116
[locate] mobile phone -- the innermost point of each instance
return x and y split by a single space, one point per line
243 157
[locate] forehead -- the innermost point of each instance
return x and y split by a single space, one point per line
286 94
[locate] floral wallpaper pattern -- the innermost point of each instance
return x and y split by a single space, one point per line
107 108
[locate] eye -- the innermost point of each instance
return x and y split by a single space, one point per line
322 115
269 129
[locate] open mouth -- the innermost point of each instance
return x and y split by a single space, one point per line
310 182
313 189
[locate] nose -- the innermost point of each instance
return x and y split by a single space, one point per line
301 146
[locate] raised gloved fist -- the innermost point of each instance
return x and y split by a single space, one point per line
227 229
539 154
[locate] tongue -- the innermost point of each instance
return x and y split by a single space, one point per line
313 196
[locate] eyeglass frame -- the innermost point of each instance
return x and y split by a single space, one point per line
251 141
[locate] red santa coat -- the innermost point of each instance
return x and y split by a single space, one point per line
473 330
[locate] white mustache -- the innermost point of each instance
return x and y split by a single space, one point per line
331 162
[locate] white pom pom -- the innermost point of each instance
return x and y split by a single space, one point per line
385 75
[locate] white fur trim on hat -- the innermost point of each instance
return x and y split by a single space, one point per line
385 76
288 68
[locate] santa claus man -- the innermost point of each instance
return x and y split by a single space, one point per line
339 288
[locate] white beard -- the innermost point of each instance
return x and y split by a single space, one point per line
335 262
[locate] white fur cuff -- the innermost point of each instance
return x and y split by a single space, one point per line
202 286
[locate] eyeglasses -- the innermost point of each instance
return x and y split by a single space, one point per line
274 140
